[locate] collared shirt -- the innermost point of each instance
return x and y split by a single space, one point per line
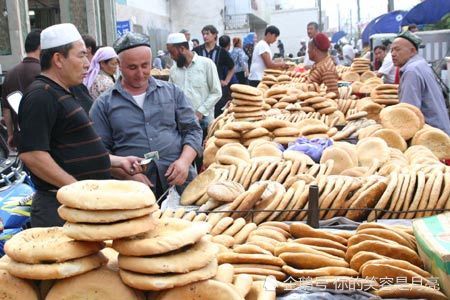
165 124
51 119
325 72
219 56
200 83
388 69
418 86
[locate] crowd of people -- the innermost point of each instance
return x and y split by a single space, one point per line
89 113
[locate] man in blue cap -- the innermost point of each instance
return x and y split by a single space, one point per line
418 85
141 114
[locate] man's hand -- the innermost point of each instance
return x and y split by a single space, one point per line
177 172
142 178
223 83
198 115
130 164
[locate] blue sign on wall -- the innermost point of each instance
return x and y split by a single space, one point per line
122 2
122 27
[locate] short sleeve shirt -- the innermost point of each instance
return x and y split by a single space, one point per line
258 66
51 119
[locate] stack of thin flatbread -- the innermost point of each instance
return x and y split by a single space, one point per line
48 253
386 94
175 253
247 103
360 65
98 210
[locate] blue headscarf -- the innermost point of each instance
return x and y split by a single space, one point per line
248 40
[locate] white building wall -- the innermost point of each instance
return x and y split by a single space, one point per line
153 20
193 15
292 25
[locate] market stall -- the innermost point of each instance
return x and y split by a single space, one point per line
279 155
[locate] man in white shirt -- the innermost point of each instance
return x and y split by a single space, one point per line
196 76
312 29
347 52
262 56
387 69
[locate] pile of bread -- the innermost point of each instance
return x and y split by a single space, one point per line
166 254
247 103
378 259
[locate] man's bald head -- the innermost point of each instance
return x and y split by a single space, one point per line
402 50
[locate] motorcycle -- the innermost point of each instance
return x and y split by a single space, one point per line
16 192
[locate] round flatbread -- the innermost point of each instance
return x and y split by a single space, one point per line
57 270
16 288
400 119
372 148
168 281
168 235
197 187
109 231
99 284
47 245
392 138
245 89
437 141
106 194
74 215
341 158
183 260
202 290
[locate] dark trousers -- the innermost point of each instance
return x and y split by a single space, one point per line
44 210
226 96
254 83
241 77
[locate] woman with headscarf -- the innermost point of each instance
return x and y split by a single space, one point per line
249 45
240 61
101 71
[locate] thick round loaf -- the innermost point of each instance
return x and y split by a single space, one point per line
240 258
391 250
311 261
203 290
12 287
106 194
47 245
302 230
409 291
324 271
157 282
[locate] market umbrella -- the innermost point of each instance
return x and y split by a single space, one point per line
337 36
427 12
387 23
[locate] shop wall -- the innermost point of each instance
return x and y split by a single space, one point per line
195 14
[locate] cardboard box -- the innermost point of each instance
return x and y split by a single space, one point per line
433 243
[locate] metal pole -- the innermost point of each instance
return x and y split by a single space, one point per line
320 15
359 19
313 206
339 17
390 5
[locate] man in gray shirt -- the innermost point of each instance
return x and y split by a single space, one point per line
141 114
418 84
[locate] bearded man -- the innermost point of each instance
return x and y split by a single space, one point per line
196 76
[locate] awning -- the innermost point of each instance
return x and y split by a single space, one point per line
387 23
427 12
337 36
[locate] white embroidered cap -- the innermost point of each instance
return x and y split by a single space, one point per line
59 35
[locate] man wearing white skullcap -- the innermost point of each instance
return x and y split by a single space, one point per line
56 141
140 114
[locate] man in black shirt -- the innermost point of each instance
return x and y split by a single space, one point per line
221 58
18 79
56 140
